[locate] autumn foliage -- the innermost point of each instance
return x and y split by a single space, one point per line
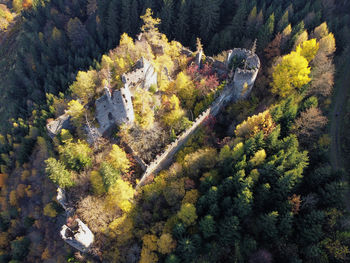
254 124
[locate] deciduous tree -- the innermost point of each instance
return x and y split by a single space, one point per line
310 123
84 86
187 214
291 74
118 159
120 194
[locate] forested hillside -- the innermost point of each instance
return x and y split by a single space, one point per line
59 38
253 184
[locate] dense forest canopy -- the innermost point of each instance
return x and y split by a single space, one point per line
254 184
58 38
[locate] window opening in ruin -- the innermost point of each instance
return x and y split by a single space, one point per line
110 117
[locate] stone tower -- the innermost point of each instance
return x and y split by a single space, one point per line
114 109
245 73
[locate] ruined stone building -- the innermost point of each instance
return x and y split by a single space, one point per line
143 75
62 122
116 108
244 78
80 236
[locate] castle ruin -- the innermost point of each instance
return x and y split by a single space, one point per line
54 127
244 75
237 88
79 236
116 109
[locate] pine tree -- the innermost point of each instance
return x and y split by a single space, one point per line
284 21
209 18
266 32
125 20
181 27
167 17
113 22
134 17
58 173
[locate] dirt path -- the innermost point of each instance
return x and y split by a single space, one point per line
342 87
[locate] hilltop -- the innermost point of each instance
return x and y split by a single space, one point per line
131 147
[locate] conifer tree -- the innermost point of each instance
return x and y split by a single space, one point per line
209 18
182 23
167 17
113 22
134 17
125 20
284 21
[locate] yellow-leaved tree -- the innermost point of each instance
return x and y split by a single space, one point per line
254 124
187 214
97 183
308 49
121 228
144 114
118 159
120 194
327 44
291 74
258 158
84 86
126 45
166 244
320 31
304 36
173 111
149 27
149 245
185 89
147 256
76 111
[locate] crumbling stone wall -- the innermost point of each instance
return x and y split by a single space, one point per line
165 159
233 91
245 77
114 110
62 122
81 238
143 75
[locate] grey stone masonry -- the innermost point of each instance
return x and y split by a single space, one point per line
143 74
244 78
62 122
114 110
199 58
81 238
236 89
